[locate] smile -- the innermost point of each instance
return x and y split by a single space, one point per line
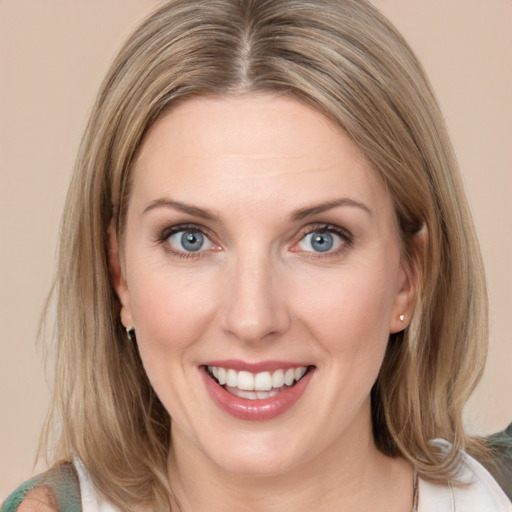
256 386
256 395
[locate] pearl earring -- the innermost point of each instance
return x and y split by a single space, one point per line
402 318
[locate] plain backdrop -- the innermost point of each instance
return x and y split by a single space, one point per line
53 55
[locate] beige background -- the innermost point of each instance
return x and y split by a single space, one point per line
53 54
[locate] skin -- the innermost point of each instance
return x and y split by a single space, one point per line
39 500
258 291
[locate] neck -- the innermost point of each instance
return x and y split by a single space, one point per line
350 476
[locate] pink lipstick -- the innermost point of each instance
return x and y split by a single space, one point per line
255 391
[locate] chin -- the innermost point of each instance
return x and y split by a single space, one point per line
257 456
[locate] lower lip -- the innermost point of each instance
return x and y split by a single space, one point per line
255 410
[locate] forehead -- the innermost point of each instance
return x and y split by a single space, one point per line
264 147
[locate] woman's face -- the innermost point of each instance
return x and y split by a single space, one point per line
260 248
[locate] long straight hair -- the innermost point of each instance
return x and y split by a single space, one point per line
345 59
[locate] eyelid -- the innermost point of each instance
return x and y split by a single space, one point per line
176 228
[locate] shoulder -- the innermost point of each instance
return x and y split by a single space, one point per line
476 490
56 490
500 465
40 499
31 495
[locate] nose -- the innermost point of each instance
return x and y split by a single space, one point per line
255 307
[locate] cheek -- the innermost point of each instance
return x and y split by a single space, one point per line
170 309
349 313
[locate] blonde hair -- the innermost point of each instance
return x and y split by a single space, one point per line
345 59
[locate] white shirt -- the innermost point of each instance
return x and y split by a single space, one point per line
92 500
481 493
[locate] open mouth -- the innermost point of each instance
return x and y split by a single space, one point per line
257 386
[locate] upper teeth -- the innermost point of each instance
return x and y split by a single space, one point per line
263 381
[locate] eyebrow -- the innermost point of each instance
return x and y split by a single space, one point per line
195 211
298 215
328 205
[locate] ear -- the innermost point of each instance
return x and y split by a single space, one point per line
117 277
408 283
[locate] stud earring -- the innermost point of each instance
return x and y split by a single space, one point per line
130 333
402 318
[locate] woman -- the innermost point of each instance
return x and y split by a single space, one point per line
268 274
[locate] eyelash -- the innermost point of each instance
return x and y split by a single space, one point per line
345 236
164 236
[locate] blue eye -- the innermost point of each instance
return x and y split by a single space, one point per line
321 240
189 240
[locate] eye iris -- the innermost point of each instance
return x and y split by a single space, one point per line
192 241
321 241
